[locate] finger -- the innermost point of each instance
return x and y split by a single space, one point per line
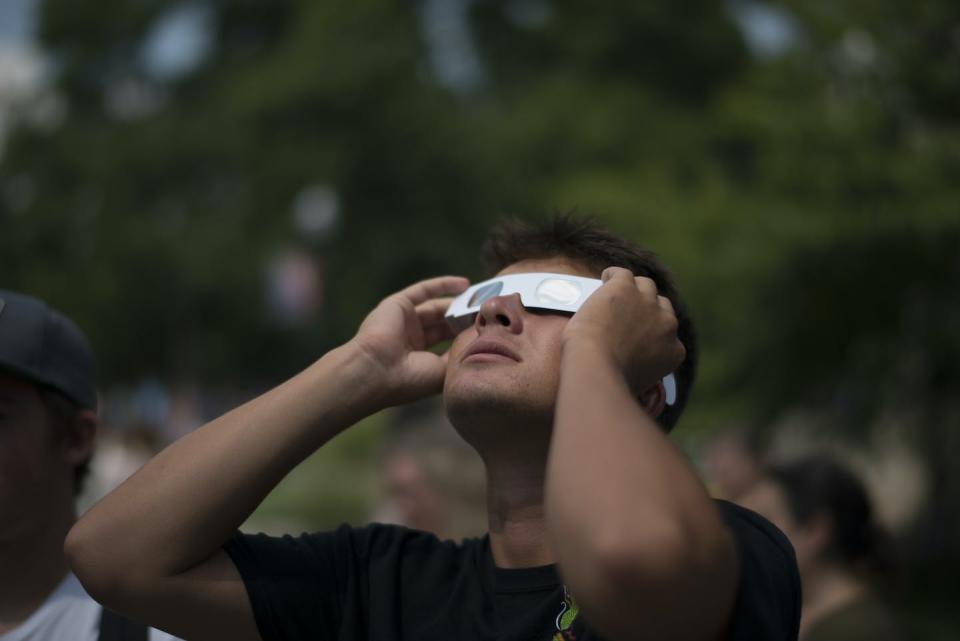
646 285
680 353
428 370
434 288
433 310
615 272
438 334
666 304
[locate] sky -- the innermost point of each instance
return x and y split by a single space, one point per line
182 37
17 22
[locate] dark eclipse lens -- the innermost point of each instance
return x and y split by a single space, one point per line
485 292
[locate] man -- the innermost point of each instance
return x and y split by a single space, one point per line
826 512
598 526
48 421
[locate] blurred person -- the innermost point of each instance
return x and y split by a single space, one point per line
431 480
826 513
732 463
410 497
120 453
598 527
48 422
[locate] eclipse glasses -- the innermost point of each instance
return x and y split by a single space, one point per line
555 292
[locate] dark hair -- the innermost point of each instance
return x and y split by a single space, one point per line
61 412
819 486
586 241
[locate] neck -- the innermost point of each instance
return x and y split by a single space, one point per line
826 589
513 445
518 532
33 561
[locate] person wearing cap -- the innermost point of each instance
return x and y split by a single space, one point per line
48 421
599 528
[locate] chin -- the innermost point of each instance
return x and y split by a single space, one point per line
475 403
495 410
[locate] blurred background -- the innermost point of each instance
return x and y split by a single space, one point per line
218 191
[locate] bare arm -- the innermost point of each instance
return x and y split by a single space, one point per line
639 541
153 547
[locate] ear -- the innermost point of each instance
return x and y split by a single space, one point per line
819 533
653 399
79 437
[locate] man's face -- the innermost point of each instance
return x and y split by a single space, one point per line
506 366
33 469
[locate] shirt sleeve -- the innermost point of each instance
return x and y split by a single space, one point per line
768 597
296 585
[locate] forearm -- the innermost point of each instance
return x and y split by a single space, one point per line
609 458
184 504
626 512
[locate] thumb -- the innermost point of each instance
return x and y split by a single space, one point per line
426 371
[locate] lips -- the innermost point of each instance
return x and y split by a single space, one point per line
487 346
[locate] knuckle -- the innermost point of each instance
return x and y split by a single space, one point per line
669 320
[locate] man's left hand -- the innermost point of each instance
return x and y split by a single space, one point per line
630 324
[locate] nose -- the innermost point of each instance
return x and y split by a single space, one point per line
501 311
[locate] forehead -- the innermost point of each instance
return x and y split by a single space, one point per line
553 265
14 389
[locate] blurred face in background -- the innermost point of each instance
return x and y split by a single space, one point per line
36 463
730 466
412 496
767 499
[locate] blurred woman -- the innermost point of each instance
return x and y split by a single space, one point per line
825 512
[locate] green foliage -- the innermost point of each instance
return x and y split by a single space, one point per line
889 305
337 484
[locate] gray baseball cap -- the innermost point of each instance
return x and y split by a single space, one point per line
42 345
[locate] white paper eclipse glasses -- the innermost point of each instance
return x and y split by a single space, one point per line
557 292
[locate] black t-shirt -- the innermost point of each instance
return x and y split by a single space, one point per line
385 583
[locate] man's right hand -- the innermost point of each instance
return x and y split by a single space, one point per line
153 548
397 335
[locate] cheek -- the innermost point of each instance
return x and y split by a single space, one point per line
25 461
549 337
548 353
460 343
